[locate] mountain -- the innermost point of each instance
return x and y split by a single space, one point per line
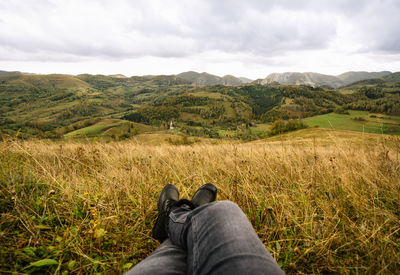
231 80
22 82
245 79
196 78
309 79
118 76
389 80
394 77
7 72
351 77
318 80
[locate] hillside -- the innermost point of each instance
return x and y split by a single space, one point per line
103 82
309 79
245 80
387 84
394 77
351 77
319 80
53 106
21 82
231 80
359 121
209 79
321 201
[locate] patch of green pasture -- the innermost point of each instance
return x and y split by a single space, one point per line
260 128
91 131
379 125
110 127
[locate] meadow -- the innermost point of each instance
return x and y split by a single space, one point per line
359 121
322 201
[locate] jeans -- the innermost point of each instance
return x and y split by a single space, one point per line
215 238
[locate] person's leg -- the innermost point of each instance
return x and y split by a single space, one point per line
166 259
219 239
169 258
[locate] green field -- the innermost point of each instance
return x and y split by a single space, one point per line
110 128
369 123
95 130
260 129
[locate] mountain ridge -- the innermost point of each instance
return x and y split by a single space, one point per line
205 78
8 72
317 80
312 79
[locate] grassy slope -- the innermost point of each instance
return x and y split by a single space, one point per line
58 81
260 128
108 127
380 124
322 201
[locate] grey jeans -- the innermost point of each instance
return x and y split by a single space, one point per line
215 238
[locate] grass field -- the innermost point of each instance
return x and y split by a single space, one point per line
322 201
370 123
260 129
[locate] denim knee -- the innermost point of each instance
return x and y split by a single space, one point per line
224 208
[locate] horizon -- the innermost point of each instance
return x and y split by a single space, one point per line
144 75
252 39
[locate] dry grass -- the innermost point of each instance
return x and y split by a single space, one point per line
320 203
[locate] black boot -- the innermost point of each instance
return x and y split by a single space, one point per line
168 198
205 194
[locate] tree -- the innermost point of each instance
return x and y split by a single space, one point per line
278 127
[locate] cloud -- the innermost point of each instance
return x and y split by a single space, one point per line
158 28
380 27
253 30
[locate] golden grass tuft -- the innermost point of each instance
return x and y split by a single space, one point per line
321 203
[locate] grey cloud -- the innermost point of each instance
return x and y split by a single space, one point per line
382 27
123 29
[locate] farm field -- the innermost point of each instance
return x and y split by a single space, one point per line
321 200
359 121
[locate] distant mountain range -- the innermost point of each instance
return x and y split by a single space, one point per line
288 78
7 72
316 79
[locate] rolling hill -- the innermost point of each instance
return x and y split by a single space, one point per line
351 77
294 78
245 79
389 82
209 79
317 80
21 82
56 105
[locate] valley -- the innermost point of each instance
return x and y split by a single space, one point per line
117 107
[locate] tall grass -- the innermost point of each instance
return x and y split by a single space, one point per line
319 205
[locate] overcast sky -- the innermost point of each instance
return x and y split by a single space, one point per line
243 38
